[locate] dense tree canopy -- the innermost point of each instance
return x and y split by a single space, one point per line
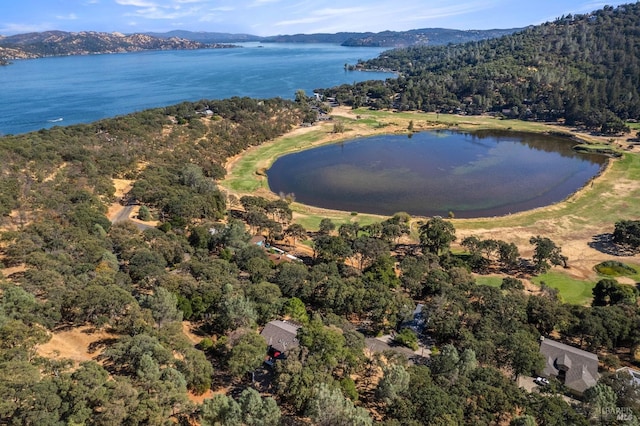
72 267
581 68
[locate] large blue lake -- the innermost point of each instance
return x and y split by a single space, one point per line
80 89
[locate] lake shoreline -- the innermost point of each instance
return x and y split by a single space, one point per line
83 89
573 222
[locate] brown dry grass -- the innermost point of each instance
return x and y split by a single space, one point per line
122 187
74 344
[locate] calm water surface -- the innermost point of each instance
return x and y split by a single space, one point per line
38 93
433 173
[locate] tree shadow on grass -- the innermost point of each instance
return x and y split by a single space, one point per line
604 243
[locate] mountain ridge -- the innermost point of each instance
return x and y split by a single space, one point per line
580 69
391 39
63 43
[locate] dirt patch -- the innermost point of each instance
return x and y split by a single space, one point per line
122 187
77 344
626 280
55 172
13 270
576 245
188 330
199 399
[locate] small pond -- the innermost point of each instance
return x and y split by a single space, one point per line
480 174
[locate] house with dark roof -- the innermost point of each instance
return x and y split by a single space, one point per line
280 336
577 369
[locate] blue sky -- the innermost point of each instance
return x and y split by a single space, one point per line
272 17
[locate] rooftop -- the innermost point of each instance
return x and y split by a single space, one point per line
281 335
579 368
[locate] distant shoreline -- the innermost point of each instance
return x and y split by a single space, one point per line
7 59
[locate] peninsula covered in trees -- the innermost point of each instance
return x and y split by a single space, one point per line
62 43
204 260
582 69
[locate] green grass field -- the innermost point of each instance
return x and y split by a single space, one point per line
490 280
245 177
575 292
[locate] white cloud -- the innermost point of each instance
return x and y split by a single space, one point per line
329 12
258 3
378 17
321 15
301 21
69 17
160 14
136 3
163 10
446 11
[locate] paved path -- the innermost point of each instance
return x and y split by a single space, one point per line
124 214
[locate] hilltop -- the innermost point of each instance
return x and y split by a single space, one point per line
61 43
416 37
582 69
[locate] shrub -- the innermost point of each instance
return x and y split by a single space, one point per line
407 338
348 387
205 344
614 268
510 283
144 214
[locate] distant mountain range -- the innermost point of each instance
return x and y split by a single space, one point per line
61 43
391 39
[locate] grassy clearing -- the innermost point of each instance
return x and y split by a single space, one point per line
615 269
311 220
247 174
627 270
490 280
575 292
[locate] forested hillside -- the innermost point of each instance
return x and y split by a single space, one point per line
68 267
584 69
361 354
418 37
